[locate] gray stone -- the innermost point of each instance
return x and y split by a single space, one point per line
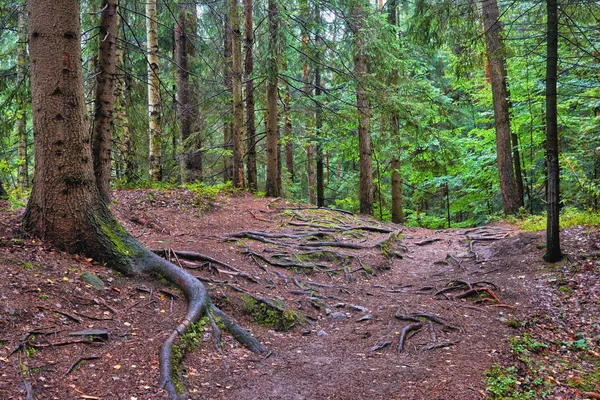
322 333
337 315
364 318
92 279
358 308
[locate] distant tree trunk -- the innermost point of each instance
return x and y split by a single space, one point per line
496 58
553 252
154 104
319 112
364 123
105 98
516 156
288 133
65 207
273 182
228 81
237 125
121 120
21 123
3 194
187 112
250 120
397 212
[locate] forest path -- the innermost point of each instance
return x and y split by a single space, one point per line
349 297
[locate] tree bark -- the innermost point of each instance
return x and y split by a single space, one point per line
364 123
319 112
237 125
273 181
496 57
65 207
288 134
553 252
228 82
103 123
154 103
189 120
250 119
21 123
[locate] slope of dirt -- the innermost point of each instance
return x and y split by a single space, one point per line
342 304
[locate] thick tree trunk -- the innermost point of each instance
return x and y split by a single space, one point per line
154 104
319 112
237 125
103 130
364 123
65 207
496 58
21 123
228 82
189 120
553 252
273 181
250 119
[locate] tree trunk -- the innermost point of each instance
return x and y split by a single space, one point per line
189 120
21 123
65 207
228 82
288 134
364 123
397 212
496 57
273 182
250 119
516 156
121 120
553 252
237 125
319 112
154 104
105 98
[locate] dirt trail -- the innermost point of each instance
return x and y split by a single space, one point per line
329 357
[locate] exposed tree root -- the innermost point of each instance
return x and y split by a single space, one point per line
404 334
481 292
416 324
427 241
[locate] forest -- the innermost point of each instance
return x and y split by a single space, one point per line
406 153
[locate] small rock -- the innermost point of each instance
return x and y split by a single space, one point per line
322 333
339 305
92 279
337 315
358 308
364 318
327 311
306 332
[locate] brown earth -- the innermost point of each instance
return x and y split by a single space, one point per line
329 353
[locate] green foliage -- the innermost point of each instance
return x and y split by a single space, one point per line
526 344
206 192
280 317
506 383
569 217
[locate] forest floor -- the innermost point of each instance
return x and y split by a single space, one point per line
464 301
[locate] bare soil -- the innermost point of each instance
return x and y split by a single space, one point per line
344 304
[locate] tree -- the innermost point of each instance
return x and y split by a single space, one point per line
364 133
553 252
65 207
496 54
273 184
154 103
189 120
103 123
21 123
237 125
248 70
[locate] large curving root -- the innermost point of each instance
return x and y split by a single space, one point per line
199 305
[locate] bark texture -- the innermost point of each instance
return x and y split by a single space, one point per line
553 252
237 125
21 123
288 133
125 166
496 57
250 119
319 113
103 130
154 104
364 118
187 112
273 184
228 82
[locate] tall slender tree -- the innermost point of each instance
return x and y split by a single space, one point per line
103 130
273 181
249 86
228 82
496 53
154 103
237 125
553 252
364 113
21 123
319 110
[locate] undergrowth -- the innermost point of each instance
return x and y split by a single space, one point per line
568 218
